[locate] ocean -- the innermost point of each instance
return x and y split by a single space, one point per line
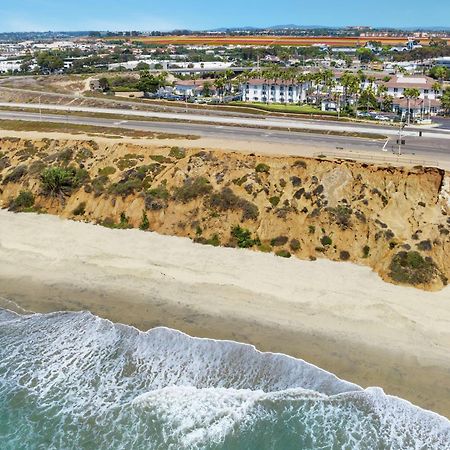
76 381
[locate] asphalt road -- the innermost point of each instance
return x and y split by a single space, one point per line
284 123
426 148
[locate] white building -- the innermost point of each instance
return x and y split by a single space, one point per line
444 62
274 91
193 88
397 85
7 66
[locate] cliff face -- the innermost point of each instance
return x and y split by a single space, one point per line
395 220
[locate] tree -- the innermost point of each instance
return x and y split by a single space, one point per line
25 66
104 84
437 87
387 103
49 61
368 99
350 83
365 55
410 93
206 92
440 73
220 83
150 83
142 66
445 101
438 42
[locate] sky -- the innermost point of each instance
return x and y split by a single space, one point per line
147 15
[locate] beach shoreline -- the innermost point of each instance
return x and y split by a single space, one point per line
373 334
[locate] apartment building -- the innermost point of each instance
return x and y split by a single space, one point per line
425 85
274 91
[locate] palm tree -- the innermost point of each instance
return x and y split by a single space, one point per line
445 100
410 93
349 82
301 79
381 93
220 83
437 87
440 73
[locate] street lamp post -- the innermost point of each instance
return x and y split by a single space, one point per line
402 125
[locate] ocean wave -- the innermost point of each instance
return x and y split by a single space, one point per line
74 380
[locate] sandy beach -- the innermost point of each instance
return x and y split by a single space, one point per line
339 316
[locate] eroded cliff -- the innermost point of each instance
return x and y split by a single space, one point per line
395 220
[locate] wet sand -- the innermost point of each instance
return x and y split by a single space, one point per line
339 316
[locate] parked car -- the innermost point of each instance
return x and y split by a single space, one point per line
382 118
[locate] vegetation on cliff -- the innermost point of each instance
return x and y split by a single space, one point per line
391 219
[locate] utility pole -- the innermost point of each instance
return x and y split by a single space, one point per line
402 125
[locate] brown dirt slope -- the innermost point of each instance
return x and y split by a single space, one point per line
395 220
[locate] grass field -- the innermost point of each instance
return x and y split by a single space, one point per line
290 109
269 40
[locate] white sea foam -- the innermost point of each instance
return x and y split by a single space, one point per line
105 385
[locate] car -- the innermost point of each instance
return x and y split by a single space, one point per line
382 118
364 114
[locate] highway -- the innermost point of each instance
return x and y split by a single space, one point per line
426 148
264 122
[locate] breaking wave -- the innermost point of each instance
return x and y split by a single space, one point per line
74 380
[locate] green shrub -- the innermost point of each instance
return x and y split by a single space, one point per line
177 153
412 268
262 168
4 162
127 187
15 175
226 200
83 155
65 156
156 199
278 241
80 209
341 215
295 245
326 241
58 180
300 163
283 254
244 237
145 224
127 161
99 184
192 188
124 221
424 245
366 251
106 171
266 248
240 181
36 167
344 255
214 240
24 200
160 159
81 176
312 229
274 201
